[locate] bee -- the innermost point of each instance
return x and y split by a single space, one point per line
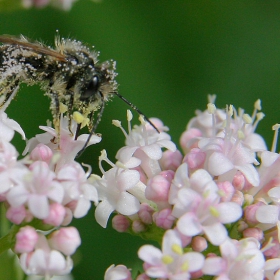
70 75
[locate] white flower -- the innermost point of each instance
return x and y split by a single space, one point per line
74 181
170 263
144 143
67 146
240 260
39 186
113 191
8 127
45 261
226 156
119 272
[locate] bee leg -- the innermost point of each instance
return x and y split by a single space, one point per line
55 108
70 105
8 94
95 124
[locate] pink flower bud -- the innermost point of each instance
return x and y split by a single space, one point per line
274 251
56 215
158 187
138 226
197 274
250 212
143 276
227 190
171 160
199 244
26 240
242 226
16 214
41 152
67 217
120 223
195 159
145 213
117 272
240 182
164 219
143 176
65 240
238 197
187 139
253 232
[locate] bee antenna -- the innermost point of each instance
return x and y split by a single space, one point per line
99 116
136 109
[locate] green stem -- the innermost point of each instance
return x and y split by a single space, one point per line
8 240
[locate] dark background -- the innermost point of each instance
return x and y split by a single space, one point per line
170 55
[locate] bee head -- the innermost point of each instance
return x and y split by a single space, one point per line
101 82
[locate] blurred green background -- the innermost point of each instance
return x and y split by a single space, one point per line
170 55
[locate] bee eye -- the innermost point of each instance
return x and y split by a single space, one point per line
92 88
95 82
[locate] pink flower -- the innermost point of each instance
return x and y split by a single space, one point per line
240 260
8 127
113 191
26 239
226 156
65 240
205 215
119 272
77 188
170 263
38 188
68 146
56 215
11 170
44 261
144 144
158 188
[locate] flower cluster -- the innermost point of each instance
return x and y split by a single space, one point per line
217 204
214 208
42 193
65 5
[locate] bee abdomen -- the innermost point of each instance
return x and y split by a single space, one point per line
23 63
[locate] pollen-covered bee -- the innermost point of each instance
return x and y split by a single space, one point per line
69 74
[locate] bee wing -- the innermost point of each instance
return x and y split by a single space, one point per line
36 47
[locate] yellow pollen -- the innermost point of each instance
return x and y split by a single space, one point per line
121 165
129 115
221 193
214 212
278 227
142 120
116 123
62 108
185 266
103 155
230 110
85 122
276 126
167 259
241 135
260 116
177 249
78 117
206 194
211 108
258 105
247 119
